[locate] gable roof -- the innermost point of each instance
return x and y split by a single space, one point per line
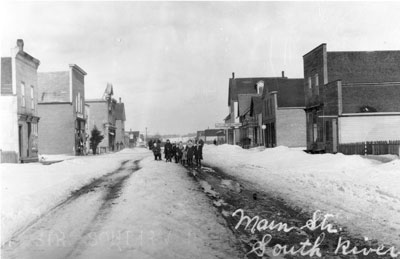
290 91
256 105
244 102
242 86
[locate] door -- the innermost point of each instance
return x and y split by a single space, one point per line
29 153
20 138
334 136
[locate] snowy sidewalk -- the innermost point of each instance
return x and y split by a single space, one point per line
162 214
363 194
29 190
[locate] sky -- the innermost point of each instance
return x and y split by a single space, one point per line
170 62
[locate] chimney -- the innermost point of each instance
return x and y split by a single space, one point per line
20 44
283 74
233 75
120 100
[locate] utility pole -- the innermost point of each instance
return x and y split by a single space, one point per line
145 141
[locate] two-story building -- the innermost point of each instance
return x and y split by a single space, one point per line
62 109
269 110
238 86
18 106
103 116
283 115
351 96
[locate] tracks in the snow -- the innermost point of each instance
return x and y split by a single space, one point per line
62 231
229 194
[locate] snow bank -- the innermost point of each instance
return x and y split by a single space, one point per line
29 190
363 194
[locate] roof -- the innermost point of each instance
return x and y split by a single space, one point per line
213 132
290 91
120 111
244 102
76 67
227 117
28 57
95 101
256 105
109 92
242 86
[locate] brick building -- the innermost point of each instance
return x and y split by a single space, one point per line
18 106
103 115
62 109
351 96
283 113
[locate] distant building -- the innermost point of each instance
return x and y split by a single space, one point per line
120 125
62 109
214 134
132 137
351 96
103 115
18 107
200 135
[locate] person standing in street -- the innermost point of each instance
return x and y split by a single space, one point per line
190 152
168 151
199 153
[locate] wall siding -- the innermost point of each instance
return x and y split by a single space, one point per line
56 132
368 128
291 128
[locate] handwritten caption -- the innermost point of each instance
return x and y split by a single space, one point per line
319 221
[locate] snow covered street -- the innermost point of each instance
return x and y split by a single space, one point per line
141 209
126 205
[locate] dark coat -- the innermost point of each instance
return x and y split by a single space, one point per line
167 148
190 151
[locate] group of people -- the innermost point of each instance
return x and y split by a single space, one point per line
188 155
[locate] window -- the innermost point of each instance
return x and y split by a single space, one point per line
32 100
23 94
309 83
316 80
79 102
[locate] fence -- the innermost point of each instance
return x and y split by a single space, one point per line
371 148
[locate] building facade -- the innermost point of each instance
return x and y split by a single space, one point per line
283 113
18 106
120 119
351 97
103 116
62 108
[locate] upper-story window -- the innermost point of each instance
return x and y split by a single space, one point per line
316 80
23 94
260 87
309 83
32 99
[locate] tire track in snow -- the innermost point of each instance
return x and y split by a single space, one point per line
58 232
229 194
